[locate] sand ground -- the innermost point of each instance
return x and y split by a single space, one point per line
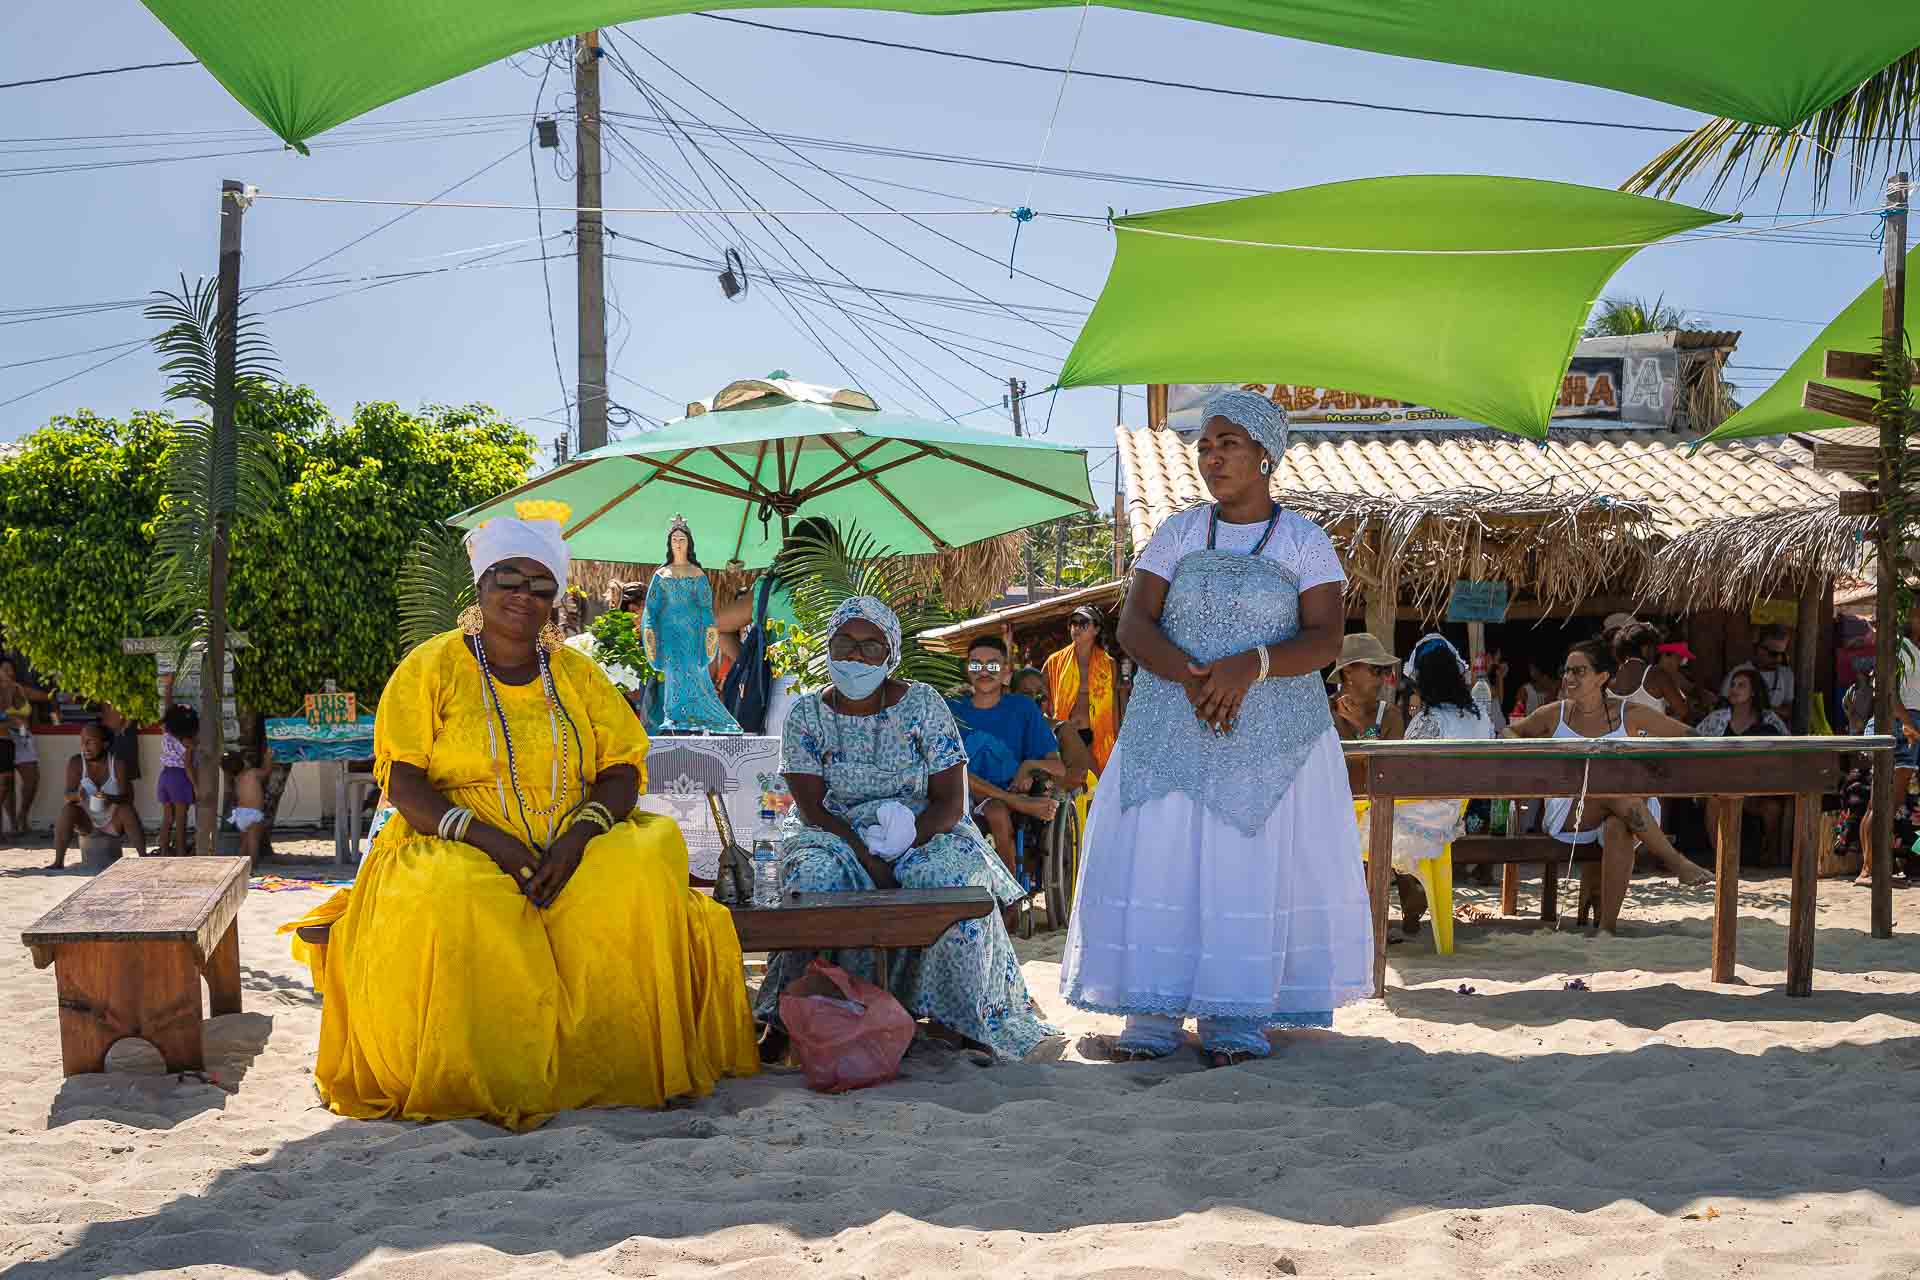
1655 1125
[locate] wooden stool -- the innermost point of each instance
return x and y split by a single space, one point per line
129 949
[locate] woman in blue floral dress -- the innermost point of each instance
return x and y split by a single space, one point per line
878 778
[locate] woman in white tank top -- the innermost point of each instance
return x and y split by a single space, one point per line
1590 710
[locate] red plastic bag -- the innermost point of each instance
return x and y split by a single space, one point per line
847 1032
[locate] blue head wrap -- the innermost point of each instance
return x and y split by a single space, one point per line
1260 417
873 610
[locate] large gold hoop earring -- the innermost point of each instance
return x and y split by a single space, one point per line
472 620
552 637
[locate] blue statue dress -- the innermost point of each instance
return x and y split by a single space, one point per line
679 617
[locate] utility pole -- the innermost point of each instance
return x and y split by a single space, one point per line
213 671
1887 622
590 242
1016 391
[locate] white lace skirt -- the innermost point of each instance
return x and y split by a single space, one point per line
1178 913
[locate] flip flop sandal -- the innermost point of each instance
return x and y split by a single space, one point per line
1217 1058
1116 1053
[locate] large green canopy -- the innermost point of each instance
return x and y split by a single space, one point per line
303 66
1777 410
1259 290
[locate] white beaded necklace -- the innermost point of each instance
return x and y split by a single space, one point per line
562 774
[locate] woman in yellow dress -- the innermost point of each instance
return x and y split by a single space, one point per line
519 940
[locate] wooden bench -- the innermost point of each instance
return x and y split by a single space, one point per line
129 949
882 919
1516 851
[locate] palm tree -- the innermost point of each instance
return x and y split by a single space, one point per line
218 469
1618 317
436 583
1872 128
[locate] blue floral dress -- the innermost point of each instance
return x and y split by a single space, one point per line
679 613
970 980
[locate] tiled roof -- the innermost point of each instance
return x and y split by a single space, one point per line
1737 479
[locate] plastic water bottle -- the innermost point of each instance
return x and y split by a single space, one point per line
767 872
1502 816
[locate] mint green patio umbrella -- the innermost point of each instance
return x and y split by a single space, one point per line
741 475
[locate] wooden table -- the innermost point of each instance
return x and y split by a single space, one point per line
129 949
1728 769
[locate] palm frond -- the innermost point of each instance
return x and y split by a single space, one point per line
1619 317
435 584
823 573
1872 129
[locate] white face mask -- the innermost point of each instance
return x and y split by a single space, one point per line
853 678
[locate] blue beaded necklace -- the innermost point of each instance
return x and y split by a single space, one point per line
1213 528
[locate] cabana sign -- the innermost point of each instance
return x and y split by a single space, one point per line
331 708
1477 602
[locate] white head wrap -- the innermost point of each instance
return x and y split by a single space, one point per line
1427 641
874 611
1261 418
506 538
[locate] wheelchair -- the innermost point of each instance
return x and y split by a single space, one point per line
1055 871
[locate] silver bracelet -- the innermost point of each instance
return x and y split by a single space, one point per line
1265 663
454 823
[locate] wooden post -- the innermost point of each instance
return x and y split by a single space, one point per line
1886 621
213 669
1806 649
1383 598
1725 811
1379 877
1806 883
589 237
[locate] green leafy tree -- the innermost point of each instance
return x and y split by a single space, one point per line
316 578
78 500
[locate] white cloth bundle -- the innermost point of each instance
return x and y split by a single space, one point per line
892 835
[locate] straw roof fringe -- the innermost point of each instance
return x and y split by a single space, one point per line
1729 564
1558 547
967 577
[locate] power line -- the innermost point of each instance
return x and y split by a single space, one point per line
103 71
1220 90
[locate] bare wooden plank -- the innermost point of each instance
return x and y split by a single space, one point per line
1379 876
1506 750
1800 911
1726 885
1851 405
223 973
1858 503
1858 366
1444 776
1851 459
190 900
1500 851
885 918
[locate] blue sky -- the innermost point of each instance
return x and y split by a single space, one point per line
112 234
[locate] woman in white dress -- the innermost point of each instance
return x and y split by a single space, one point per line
1222 879
1590 710
1424 828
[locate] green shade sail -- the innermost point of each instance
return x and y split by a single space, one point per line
913 484
1480 333
1777 409
303 66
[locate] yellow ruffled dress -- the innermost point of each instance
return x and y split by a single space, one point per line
448 994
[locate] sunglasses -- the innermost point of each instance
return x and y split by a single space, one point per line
541 585
1779 655
975 667
1576 671
1078 623
871 652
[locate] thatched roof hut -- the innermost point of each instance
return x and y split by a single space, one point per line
1625 515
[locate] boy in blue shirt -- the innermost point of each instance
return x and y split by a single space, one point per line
1008 742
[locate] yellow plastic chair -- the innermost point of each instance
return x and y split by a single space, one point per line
1436 877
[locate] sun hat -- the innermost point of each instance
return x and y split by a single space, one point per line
1679 647
1615 621
1362 647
